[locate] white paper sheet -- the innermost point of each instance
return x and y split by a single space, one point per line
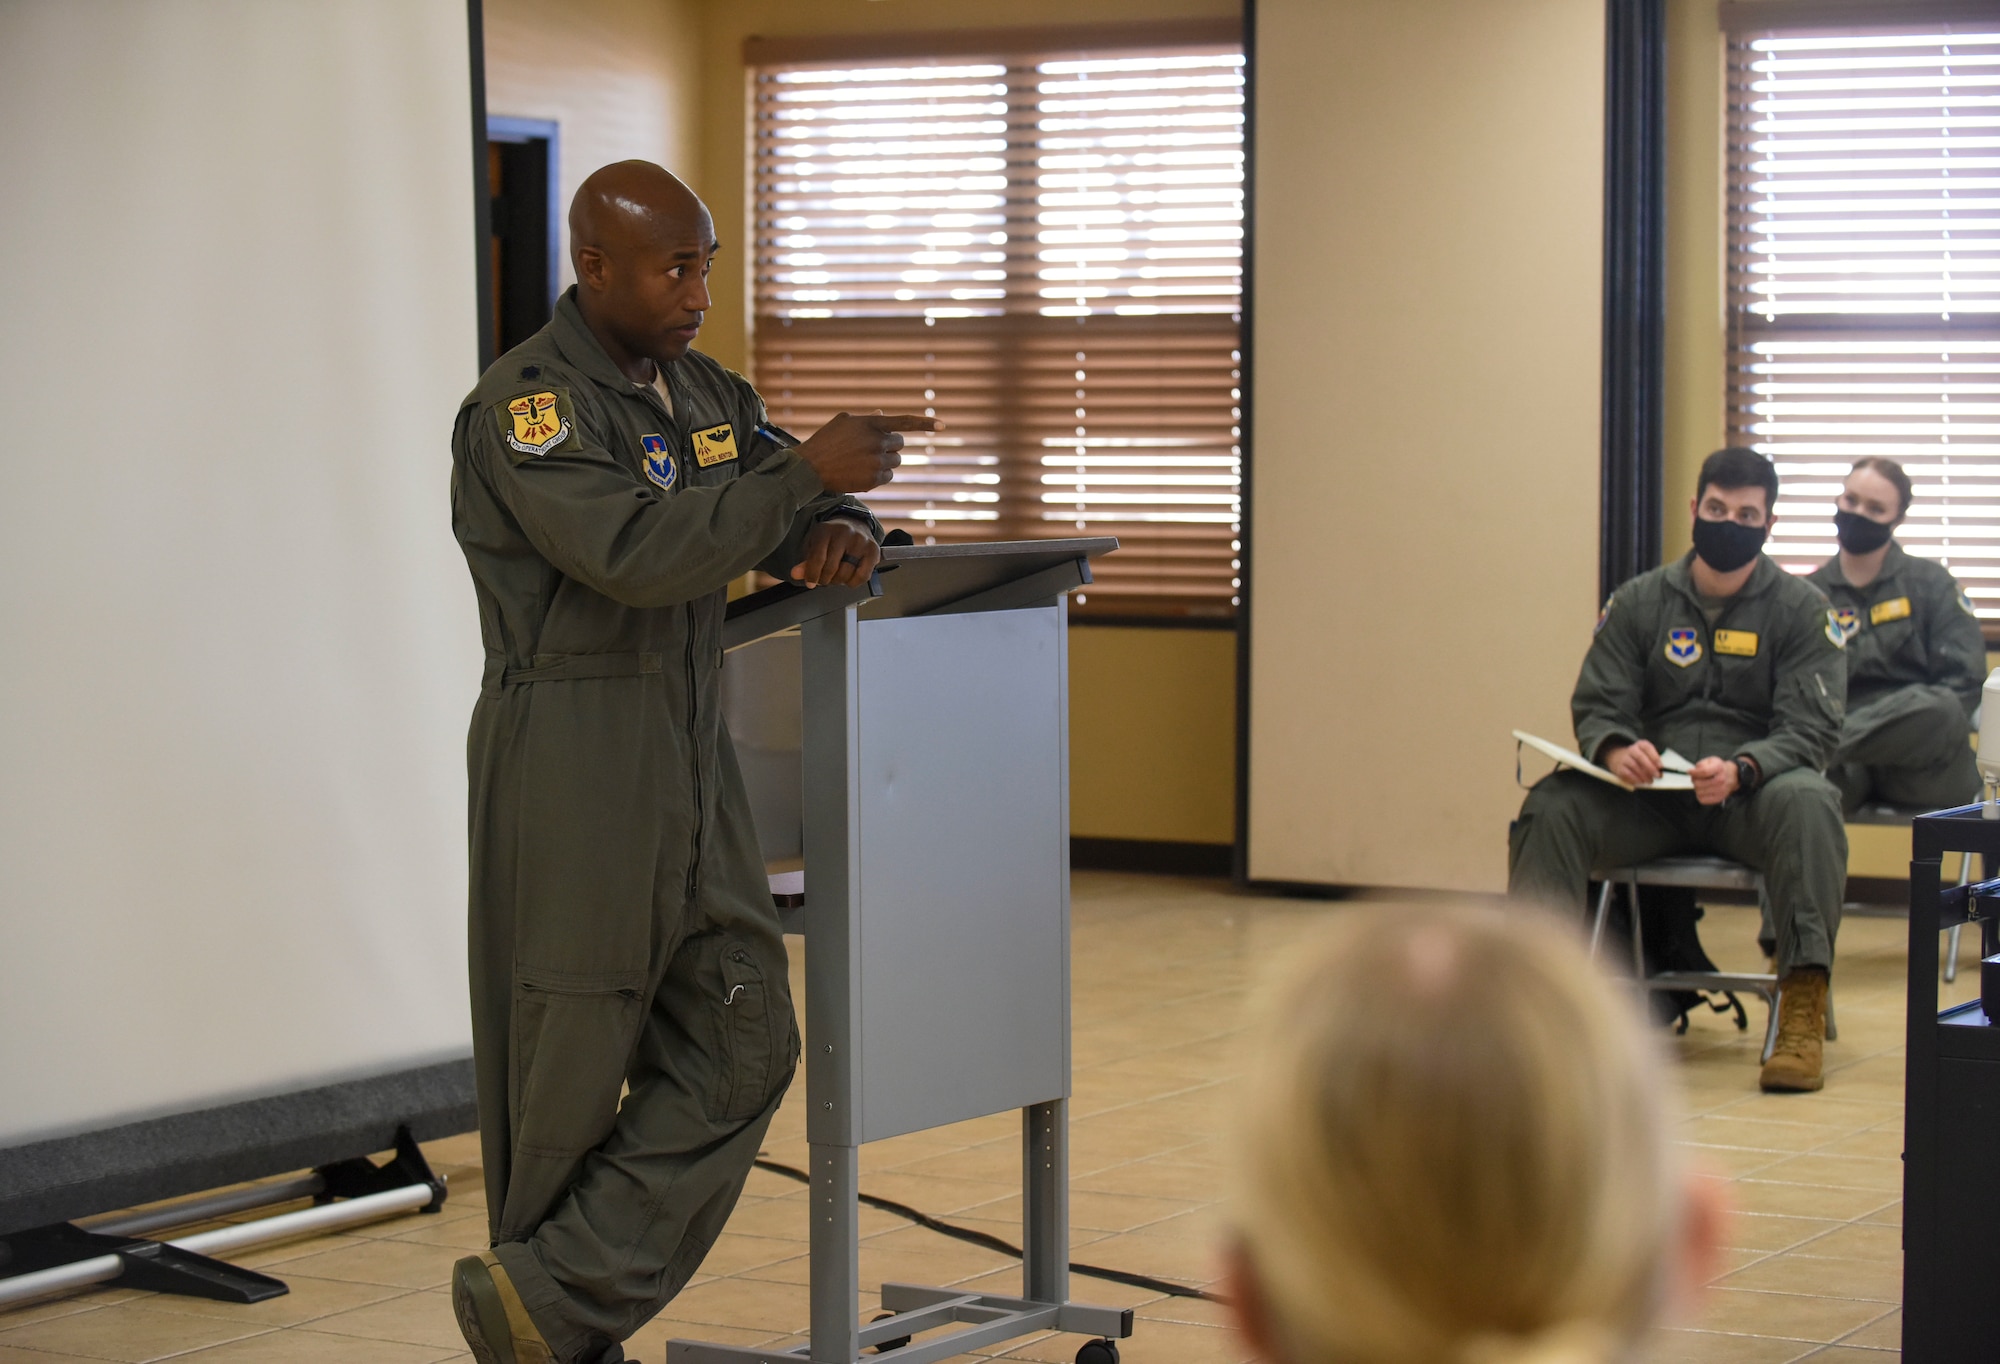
1675 777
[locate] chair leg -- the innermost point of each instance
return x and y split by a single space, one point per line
1770 1025
1638 932
1603 912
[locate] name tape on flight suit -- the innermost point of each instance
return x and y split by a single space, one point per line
1896 608
1741 643
717 445
534 423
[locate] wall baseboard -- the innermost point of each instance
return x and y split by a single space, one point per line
1150 855
141 1162
1888 892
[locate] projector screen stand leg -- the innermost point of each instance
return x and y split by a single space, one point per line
153 1266
359 1177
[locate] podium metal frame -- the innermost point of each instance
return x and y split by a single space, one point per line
936 914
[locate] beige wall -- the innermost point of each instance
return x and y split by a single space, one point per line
1152 749
1429 223
618 76
1695 420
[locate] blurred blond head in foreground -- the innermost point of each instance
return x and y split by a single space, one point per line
1453 1149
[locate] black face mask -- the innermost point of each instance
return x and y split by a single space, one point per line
1726 546
1858 534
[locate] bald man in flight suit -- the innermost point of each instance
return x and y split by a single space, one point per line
607 484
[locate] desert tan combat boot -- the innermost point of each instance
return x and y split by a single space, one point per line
492 1317
1796 1059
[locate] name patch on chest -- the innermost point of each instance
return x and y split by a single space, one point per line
1896 608
1739 643
1683 648
717 445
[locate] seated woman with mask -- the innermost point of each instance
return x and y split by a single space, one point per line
1453 1148
1915 656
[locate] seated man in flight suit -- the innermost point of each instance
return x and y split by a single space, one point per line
1915 657
1736 665
632 1027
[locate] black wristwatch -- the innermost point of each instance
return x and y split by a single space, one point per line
1746 776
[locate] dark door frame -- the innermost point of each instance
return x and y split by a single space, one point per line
522 132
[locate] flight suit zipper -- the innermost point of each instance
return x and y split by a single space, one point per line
688 466
694 740
684 470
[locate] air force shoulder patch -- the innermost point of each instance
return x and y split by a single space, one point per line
1683 648
535 423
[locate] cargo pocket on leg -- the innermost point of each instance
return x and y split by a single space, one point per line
573 1041
743 1080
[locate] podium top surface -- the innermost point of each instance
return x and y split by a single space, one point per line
915 580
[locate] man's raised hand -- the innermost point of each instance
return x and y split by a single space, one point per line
854 454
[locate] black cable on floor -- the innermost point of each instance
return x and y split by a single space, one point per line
991 1242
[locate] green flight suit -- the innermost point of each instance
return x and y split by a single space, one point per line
622 932
1915 664
1765 680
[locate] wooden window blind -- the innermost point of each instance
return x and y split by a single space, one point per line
1864 277
1044 250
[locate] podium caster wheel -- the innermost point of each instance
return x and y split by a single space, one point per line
900 1341
1097 1352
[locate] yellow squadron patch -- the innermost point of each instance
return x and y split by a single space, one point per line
534 423
717 445
1741 643
1896 608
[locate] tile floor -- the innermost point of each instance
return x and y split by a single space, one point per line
1161 964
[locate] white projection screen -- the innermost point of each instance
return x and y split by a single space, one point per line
237 312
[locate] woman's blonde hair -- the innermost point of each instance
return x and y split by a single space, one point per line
1453 1147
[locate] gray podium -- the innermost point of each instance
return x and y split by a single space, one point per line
936 916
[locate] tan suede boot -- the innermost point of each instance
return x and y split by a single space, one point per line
1797 1058
491 1315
